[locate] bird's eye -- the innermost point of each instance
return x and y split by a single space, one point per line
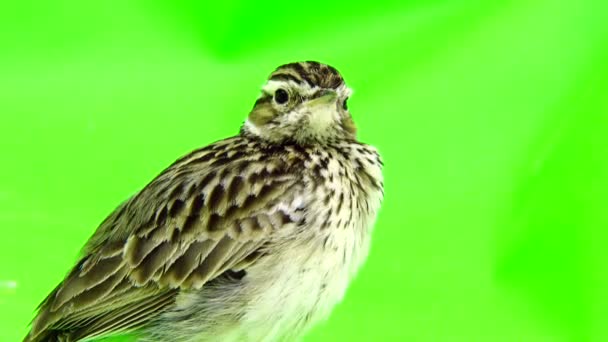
344 104
281 96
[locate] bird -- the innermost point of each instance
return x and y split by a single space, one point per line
251 238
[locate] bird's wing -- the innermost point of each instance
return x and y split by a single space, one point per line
210 212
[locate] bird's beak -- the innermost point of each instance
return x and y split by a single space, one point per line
322 112
326 97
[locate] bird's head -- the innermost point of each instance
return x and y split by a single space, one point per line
303 102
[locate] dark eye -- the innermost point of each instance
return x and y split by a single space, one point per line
344 104
281 96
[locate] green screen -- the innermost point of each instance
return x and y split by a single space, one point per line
491 117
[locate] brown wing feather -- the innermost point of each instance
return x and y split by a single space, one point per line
204 215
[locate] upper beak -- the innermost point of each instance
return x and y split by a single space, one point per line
326 97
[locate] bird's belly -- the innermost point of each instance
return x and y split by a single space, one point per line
302 288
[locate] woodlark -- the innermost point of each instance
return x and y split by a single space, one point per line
252 238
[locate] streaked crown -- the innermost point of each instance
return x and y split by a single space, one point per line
314 74
304 102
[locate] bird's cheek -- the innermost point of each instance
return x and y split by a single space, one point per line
261 115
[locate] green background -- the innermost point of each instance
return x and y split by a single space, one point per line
491 116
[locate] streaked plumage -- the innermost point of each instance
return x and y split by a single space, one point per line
252 238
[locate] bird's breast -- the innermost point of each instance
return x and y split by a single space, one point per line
312 264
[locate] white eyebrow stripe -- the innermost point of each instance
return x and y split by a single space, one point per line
345 91
303 89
